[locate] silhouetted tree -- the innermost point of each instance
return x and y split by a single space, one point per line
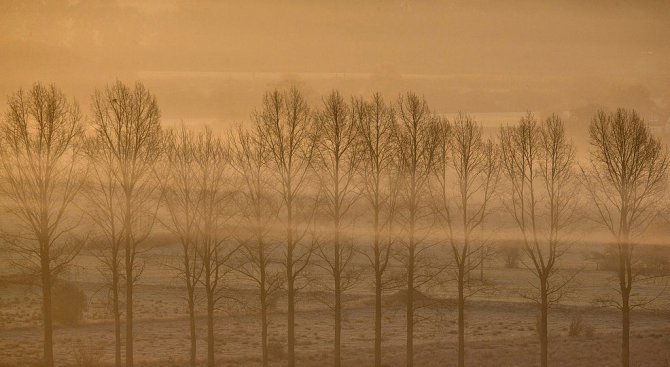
336 160
625 179
40 138
104 198
416 146
182 196
285 130
379 180
249 158
212 176
466 175
538 162
126 123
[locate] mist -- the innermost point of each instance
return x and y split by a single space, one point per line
211 61
347 183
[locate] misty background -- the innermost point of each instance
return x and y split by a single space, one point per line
209 62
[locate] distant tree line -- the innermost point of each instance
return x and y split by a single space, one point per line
306 188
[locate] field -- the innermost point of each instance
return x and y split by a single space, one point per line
500 329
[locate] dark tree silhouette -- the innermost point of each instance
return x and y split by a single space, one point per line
126 123
182 200
379 179
336 160
416 146
285 130
625 179
212 176
104 195
466 175
538 162
249 157
40 138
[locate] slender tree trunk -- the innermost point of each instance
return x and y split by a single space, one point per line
129 312
625 328
338 305
337 275
129 284
264 320
210 328
544 330
291 314
410 306
191 316
264 301
378 304
461 315
410 276
263 294
117 314
291 290
46 308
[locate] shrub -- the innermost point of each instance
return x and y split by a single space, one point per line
511 256
576 326
68 303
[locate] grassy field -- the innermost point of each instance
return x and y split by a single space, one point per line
500 328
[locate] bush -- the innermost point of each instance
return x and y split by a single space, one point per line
68 303
578 327
511 256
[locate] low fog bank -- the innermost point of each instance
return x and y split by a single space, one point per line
212 61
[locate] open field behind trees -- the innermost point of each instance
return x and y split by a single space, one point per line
501 329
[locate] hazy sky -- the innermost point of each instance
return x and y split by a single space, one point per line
212 60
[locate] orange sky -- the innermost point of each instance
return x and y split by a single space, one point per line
210 61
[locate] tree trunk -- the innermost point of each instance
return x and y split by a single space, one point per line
264 304
129 257
117 315
291 314
410 308
625 329
264 331
46 309
338 301
461 316
378 312
191 316
129 312
210 328
291 286
544 332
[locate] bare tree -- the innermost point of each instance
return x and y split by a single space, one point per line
182 196
466 175
538 162
250 159
284 127
626 179
126 124
211 175
104 197
378 172
41 140
416 146
336 160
